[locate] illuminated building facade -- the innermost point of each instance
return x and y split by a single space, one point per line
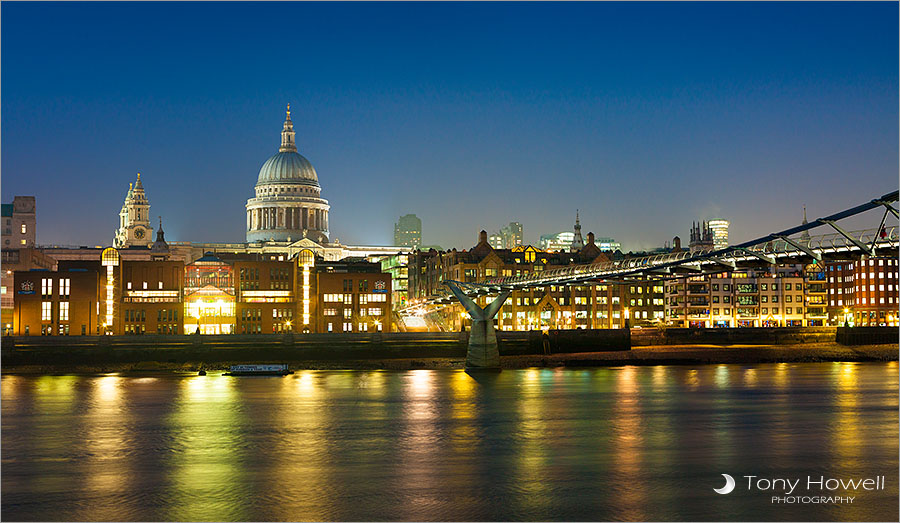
863 292
209 298
232 293
134 218
57 303
14 260
355 296
560 241
509 237
719 229
594 306
287 204
772 298
398 267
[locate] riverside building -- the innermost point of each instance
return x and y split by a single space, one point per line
232 293
638 303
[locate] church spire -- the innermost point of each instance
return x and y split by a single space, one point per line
577 241
805 235
287 134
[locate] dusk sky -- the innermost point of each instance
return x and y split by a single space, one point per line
644 116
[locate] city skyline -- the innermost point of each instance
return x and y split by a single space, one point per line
617 111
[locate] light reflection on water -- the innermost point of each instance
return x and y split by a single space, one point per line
626 443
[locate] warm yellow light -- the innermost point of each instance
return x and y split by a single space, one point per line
288 323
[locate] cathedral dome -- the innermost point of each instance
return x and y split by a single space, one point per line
287 167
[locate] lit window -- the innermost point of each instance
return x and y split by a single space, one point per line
24 229
46 311
63 311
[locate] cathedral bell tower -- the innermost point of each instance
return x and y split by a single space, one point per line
134 219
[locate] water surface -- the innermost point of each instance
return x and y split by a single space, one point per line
625 443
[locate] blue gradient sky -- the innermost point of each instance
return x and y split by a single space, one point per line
645 116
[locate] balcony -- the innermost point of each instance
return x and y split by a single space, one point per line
698 302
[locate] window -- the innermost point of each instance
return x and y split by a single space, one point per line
64 284
348 327
787 310
46 287
764 310
774 298
348 313
787 286
774 310
46 311
715 286
24 229
63 311
787 298
764 286
348 299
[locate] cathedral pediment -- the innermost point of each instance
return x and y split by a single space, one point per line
306 243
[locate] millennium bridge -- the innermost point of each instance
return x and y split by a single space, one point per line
793 245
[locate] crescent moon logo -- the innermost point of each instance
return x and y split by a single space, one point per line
729 485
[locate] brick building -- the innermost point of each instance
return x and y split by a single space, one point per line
245 294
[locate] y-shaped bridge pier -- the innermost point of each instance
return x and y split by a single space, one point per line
483 352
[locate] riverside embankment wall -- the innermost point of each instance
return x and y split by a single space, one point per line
99 350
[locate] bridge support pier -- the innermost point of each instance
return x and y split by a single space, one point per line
483 352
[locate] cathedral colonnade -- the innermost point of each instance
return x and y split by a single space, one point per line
287 217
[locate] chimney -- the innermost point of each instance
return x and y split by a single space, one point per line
590 238
676 244
482 237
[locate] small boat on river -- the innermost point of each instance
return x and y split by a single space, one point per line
259 370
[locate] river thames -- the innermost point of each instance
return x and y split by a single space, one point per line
619 443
